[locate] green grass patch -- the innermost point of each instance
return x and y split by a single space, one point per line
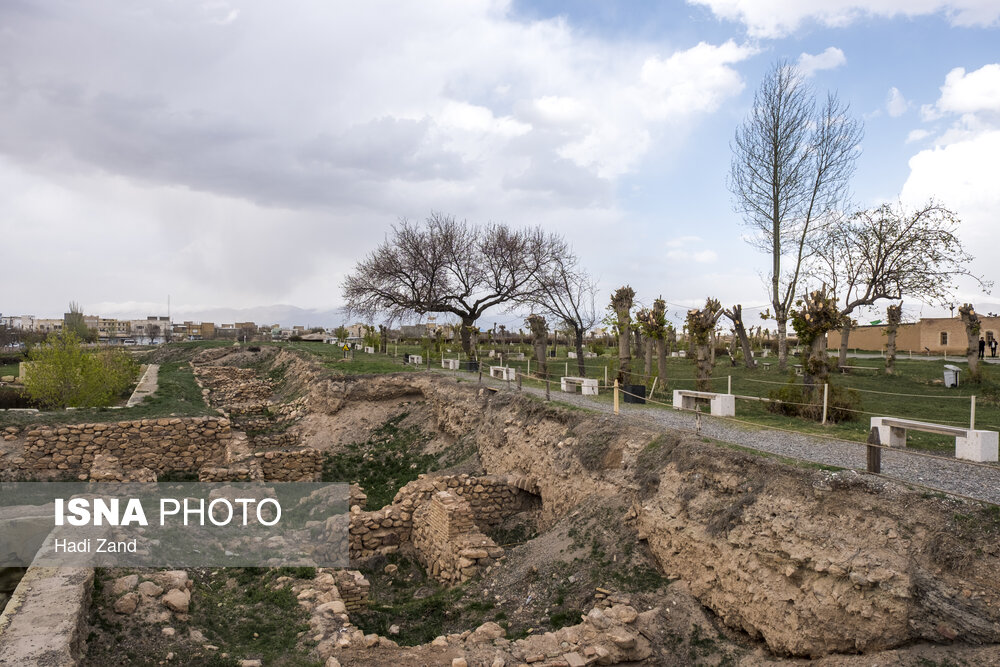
384 463
419 605
232 605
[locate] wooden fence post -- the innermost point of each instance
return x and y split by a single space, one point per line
874 453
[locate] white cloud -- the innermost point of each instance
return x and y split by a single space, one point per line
961 169
227 141
831 58
971 92
776 18
895 104
917 135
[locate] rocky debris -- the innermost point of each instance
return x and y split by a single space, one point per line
124 584
127 603
177 600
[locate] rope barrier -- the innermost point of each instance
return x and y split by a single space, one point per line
836 439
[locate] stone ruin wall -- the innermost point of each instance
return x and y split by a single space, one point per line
175 444
441 519
447 540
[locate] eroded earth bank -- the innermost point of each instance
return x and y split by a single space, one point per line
495 529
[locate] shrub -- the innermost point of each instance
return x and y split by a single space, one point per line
793 400
64 374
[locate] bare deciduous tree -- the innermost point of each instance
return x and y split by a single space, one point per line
888 253
447 266
789 174
567 293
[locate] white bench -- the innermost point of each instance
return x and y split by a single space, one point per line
588 386
516 356
571 355
503 372
450 364
970 444
370 350
722 405
416 359
589 355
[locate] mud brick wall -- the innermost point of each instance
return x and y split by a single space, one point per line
353 588
161 445
447 540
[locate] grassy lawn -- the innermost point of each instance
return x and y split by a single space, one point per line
915 392
9 369
176 396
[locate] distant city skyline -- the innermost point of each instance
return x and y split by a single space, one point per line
241 156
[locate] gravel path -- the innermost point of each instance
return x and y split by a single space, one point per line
975 481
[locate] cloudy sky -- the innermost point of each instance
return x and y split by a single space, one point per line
242 154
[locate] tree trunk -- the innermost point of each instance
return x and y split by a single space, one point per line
972 329
741 333
890 350
648 365
703 363
579 352
661 363
383 339
624 346
815 367
466 334
845 334
711 346
782 343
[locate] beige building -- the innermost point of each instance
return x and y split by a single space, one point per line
934 335
48 325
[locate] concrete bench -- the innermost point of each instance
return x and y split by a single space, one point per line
588 386
722 405
503 372
516 356
415 359
970 444
370 350
450 364
765 365
571 355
